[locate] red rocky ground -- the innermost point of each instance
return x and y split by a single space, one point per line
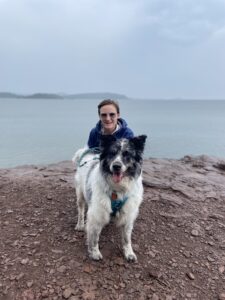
179 236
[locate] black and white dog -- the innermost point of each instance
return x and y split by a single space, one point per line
111 184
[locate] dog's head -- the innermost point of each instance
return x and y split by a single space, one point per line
121 158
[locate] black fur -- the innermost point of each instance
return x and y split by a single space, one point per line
129 150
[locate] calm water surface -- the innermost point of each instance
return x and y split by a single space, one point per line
46 131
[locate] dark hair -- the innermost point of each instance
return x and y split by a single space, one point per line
109 102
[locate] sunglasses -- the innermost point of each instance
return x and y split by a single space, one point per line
111 115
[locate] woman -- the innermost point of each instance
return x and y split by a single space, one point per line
110 123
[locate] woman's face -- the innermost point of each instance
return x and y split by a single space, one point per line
108 116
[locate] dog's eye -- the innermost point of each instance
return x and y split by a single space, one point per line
126 153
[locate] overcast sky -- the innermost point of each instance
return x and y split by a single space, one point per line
141 48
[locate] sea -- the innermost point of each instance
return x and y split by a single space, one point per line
44 131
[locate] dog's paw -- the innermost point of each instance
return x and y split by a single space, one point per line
129 253
131 257
80 227
95 255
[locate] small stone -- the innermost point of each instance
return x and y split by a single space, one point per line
11 278
187 254
195 232
210 259
221 269
221 296
20 276
36 243
61 269
211 243
57 251
87 269
67 293
24 261
190 275
151 253
28 295
155 297
44 294
119 261
51 291
30 283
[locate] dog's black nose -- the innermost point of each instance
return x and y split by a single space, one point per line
117 167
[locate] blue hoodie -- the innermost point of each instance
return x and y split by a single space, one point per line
122 132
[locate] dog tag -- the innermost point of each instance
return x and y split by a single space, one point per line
114 196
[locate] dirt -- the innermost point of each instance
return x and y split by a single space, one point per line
179 236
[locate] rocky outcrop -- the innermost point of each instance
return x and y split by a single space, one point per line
179 236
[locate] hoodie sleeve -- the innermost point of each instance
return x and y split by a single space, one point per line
93 139
128 134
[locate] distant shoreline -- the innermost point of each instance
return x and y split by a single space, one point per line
103 95
97 96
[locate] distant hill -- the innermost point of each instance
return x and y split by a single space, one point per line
43 96
9 95
102 95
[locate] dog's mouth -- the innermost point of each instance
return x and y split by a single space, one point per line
117 177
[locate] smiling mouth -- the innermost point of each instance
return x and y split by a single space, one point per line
117 177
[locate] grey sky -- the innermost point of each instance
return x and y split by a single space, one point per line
142 48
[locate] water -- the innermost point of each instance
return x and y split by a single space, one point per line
47 131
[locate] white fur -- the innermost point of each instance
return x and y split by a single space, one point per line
99 206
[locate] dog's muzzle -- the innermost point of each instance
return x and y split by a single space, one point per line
117 167
117 172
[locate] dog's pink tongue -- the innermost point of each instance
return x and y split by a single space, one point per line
117 177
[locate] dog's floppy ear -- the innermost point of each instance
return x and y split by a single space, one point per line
139 142
106 141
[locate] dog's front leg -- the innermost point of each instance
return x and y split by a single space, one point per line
126 242
93 238
94 228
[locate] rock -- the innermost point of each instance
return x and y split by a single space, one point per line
24 261
194 232
178 236
190 275
221 296
67 293
155 297
168 297
30 283
20 276
62 269
27 295
45 294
